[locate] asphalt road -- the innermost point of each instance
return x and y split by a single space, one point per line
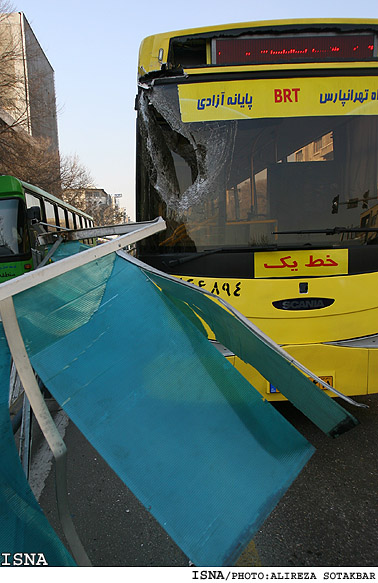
328 517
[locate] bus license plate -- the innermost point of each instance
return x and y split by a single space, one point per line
326 379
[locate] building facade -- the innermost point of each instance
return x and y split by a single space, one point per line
27 87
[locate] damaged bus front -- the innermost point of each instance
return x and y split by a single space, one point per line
258 144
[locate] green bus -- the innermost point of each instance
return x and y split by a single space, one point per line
25 212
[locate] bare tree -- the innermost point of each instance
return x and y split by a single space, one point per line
30 159
74 175
77 189
104 214
75 179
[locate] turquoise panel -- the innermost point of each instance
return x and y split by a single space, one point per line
325 412
194 441
23 526
67 249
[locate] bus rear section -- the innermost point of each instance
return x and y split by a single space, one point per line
258 144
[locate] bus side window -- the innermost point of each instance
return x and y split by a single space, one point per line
43 211
71 220
90 226
85 226
50 213
32 200
61 217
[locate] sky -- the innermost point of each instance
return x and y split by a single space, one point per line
93 49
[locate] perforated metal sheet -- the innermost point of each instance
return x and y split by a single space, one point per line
194 441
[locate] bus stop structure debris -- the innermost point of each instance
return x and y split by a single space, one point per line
194 441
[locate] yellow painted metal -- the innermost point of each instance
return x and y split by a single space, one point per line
353 314
372 383
303 263
350 368
303 333
263 98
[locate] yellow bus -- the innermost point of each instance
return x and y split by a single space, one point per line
258 145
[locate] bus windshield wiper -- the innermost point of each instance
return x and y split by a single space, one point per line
332 231
194 255
198 254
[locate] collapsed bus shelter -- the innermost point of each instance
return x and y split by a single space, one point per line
123 350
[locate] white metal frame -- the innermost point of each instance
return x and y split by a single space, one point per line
28 280
25 371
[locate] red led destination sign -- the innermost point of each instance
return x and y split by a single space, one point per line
295 49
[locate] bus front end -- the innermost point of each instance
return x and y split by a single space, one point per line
15 252
258 144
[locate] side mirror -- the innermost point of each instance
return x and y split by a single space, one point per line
34 214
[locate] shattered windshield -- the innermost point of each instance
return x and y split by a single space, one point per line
13 230
255 182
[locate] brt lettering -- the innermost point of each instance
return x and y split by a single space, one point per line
286 95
